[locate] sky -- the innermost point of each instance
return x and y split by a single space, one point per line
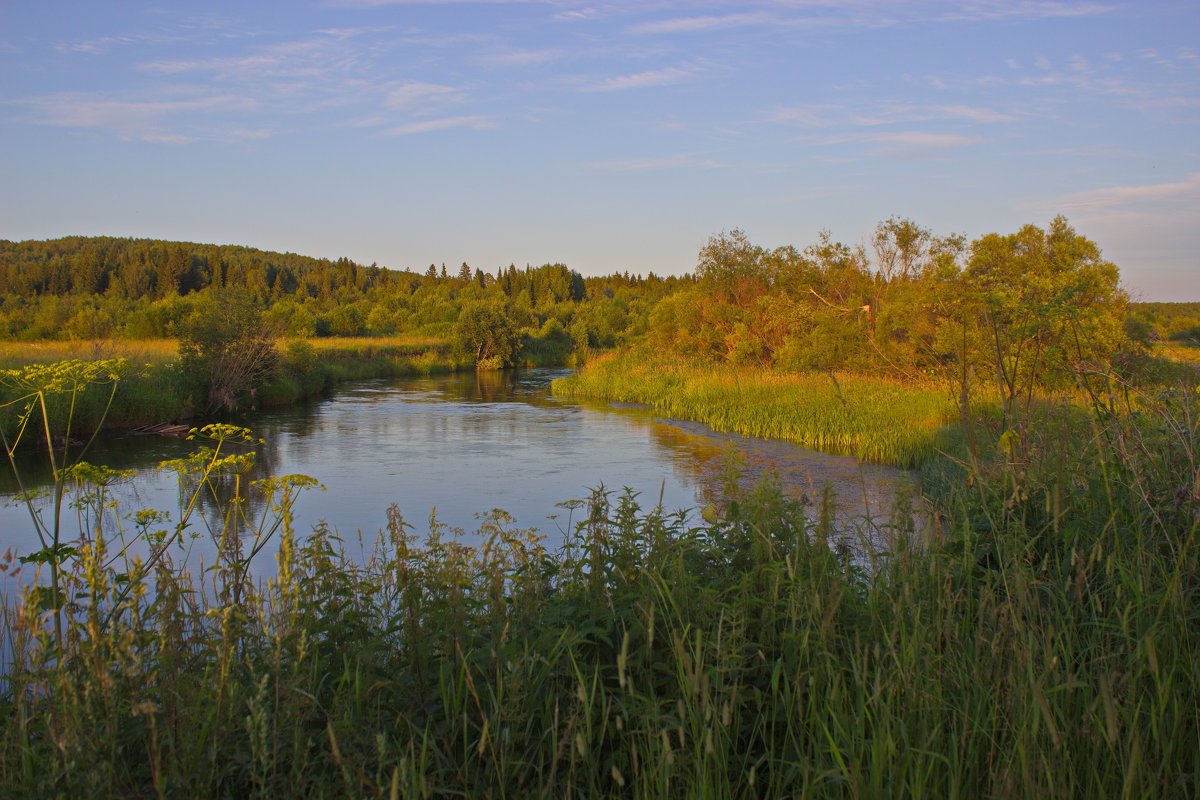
609 135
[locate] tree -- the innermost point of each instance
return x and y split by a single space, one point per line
227 345
486 334
1046 303
900 247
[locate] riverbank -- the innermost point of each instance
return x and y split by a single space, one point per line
880 420
154 389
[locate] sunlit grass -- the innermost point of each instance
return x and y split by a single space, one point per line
355 344
148 351
878 419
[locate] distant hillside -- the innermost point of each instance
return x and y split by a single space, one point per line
150 268
101 286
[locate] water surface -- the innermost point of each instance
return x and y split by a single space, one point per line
457 446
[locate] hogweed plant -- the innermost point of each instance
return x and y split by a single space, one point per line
42 392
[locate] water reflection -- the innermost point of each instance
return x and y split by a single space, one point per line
459 445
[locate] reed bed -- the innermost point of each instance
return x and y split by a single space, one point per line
878 419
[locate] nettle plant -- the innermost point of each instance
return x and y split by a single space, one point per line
100 558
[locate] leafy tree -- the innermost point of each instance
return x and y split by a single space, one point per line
1046 303
485 333
227 345
347 320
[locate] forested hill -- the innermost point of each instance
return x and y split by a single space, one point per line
149 268
96 287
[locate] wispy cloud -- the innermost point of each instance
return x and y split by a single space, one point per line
654 164
701 24
477 123
644 80
420 96
830 115
909 145
522 58
375 3
196 28
129 118
177 120
815 116
1186 191
168 138
984 10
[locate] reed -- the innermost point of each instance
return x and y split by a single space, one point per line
877 419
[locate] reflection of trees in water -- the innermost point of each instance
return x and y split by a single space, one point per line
708 463
229 504
140 453
864 500
492 386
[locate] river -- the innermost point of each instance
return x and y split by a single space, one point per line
460 445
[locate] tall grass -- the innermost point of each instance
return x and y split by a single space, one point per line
1020 654
14 355
1043 643
878 419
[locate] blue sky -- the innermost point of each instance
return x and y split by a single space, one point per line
609 135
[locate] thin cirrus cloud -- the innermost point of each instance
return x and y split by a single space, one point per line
415 94
644 80
654 164
1185 192
908 145
702 24
477 123
987 10
128 118
830 115
521 58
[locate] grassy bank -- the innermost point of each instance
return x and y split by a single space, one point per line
878 419
154 389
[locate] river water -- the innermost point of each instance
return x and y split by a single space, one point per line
460 445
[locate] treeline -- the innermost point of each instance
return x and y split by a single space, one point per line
100 287
1172 322
1015 310
1014 313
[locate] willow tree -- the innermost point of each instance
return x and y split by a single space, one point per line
1046 304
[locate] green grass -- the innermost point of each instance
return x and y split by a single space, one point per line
156 390
878 419
1041 643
